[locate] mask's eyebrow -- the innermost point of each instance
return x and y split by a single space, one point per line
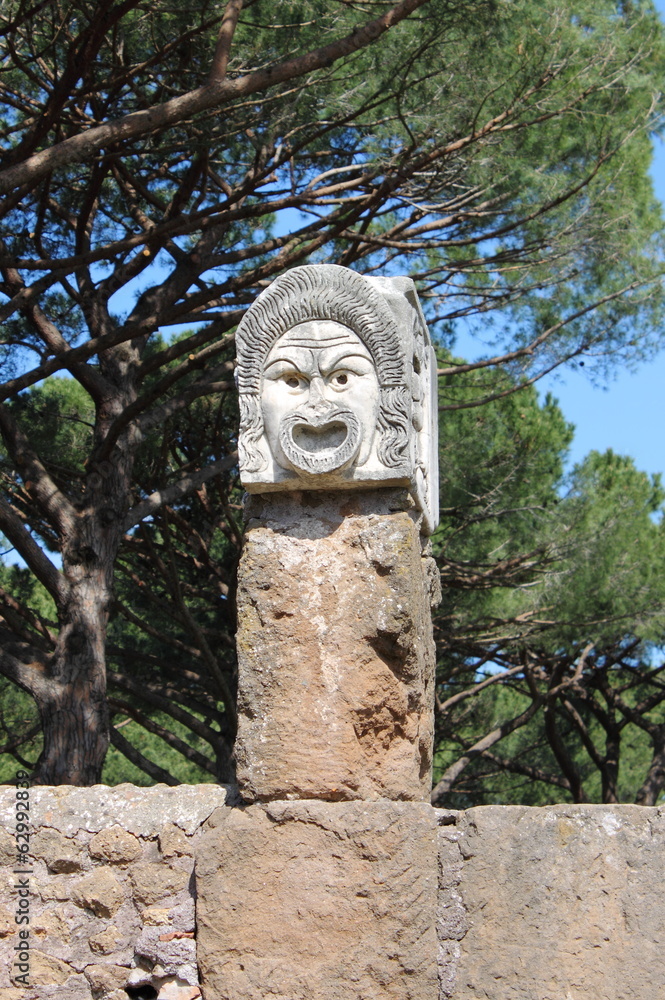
279 367
356 360
281 361
287 362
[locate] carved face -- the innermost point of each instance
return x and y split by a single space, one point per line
319 398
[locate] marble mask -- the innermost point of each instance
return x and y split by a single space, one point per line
337 386
320 399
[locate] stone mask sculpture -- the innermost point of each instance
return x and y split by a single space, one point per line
320 399
337 384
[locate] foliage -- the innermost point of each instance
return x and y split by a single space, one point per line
552 623
159 165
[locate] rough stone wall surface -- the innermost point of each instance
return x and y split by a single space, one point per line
556 903
335 649
313 900
111 891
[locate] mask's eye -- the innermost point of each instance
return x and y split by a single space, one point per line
293 381
340 380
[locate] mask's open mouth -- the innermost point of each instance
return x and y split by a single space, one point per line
320 444
315 439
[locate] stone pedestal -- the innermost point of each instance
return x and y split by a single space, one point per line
306 894
318 901
335 649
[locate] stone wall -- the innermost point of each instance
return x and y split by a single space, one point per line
111 892
558 903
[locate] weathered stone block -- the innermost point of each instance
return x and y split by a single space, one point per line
107 941
333 901
45 970
51 924
106 978
58 888
562 903
335 650
62 855
115 845
153 881
172 841
100 892
141 811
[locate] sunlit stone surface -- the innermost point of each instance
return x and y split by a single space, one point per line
335 649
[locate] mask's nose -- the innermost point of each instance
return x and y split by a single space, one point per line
317 402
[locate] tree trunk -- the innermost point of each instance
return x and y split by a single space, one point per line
654 782
610 769
71 695
563 758
74 719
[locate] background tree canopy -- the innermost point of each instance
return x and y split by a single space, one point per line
160 164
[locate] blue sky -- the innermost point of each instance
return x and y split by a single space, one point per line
628 414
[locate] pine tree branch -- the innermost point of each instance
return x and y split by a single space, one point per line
35 557
170 738
452 773
21 662
527 771
177 491
220 59
165 704
17 741
52 501
140 123
137 758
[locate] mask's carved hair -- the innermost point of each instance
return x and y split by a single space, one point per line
323 292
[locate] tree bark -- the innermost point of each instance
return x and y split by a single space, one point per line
654 782
610 770
72 700
71 695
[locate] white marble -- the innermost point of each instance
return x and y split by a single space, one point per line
337 383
